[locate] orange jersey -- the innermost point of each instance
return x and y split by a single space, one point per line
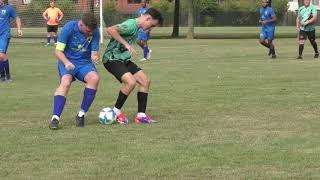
53 15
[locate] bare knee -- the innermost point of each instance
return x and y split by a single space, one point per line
146 82
3 57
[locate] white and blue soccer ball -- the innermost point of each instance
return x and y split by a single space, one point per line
107 116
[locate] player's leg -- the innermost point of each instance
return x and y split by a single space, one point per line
312 39
142 96
263 38
120 71
4 61
59 100
48 35
142 39
54 34
270 42
302 38
3 57
88 74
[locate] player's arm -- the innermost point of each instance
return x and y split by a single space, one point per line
18 23
298 23
60 55
95 45
312 19
60 15
61 45
13 15
45 15
113 31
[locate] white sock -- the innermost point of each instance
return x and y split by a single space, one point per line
141 114
55 117
81 113
116 110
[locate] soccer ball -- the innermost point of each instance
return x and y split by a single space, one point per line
107 116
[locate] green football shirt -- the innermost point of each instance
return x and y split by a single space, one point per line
304 14
115 51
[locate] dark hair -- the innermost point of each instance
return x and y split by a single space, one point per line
89 20
155 14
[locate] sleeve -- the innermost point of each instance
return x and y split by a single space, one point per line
63 38
12 13
126 28
314 11
95 41
272 14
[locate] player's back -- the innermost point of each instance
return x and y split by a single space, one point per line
76 46
128 30
6 12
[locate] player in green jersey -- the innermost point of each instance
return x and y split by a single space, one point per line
117 60
305 25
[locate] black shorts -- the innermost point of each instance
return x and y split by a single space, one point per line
52 28
310 34
119 68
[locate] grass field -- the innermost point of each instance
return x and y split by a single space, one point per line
200 32
226 111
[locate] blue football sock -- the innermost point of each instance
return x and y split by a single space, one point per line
88 97
55 39
2 68
145 52
6 66
48 39
58 105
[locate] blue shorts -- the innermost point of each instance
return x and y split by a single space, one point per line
79 72
142 35
4 43
267 34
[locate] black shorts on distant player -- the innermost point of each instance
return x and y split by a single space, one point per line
52 28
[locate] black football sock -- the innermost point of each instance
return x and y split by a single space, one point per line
301 46
142 101
315 46
121 100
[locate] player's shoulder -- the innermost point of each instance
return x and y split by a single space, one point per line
8 7
57 9
70 25
300 8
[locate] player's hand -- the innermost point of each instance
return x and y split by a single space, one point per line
20 32
305 22
95 58
69 66
130 49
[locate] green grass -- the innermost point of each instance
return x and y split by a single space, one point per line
200 32
226 111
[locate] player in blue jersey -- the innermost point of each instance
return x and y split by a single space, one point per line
268 21
143 35
6 13
77 49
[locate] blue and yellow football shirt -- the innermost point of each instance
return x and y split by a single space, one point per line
6 12
75 45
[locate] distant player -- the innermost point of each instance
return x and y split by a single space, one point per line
268 21
305 25
53 16
77 49
144 35
6 13
117 60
